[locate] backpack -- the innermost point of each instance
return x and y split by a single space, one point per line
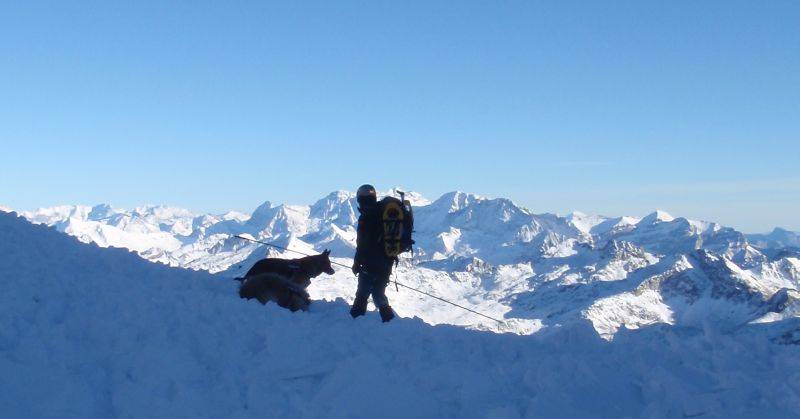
397 221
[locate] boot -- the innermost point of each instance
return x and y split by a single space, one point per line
359 307
387 314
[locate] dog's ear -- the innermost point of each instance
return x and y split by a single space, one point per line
326 252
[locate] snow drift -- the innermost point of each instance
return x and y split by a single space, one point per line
92 332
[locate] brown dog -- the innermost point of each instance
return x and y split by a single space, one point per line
284 280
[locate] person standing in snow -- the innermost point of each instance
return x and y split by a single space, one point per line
370 264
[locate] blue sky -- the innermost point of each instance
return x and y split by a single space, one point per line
603 107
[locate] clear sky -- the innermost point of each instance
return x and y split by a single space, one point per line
603 107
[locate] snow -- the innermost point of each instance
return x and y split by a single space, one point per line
133 237
584 222
139 230
609 314
614 225
657 216
93 332
449 239
235 216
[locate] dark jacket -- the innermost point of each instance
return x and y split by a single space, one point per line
369 245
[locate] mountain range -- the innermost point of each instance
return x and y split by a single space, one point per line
535 271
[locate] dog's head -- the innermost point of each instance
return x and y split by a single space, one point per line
317 264
325 262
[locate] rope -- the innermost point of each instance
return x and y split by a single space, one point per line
395 281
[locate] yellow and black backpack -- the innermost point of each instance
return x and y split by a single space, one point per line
397 220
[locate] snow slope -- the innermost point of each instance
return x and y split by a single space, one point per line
92 332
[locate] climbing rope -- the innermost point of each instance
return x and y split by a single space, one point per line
395 280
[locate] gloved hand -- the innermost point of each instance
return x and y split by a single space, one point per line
356 268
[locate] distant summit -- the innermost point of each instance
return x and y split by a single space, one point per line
657 216
777 239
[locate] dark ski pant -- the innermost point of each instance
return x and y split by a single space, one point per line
371 285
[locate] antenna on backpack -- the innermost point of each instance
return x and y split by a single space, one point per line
403 198
407 205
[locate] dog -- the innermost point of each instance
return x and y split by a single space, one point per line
284 281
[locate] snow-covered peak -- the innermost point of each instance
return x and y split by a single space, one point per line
338 207
657 216
268 220
612 226
235 216
584 222
101 212
455 201
261 213
339 196
162 212
57 214
703 226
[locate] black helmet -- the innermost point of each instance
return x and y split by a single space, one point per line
366 195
